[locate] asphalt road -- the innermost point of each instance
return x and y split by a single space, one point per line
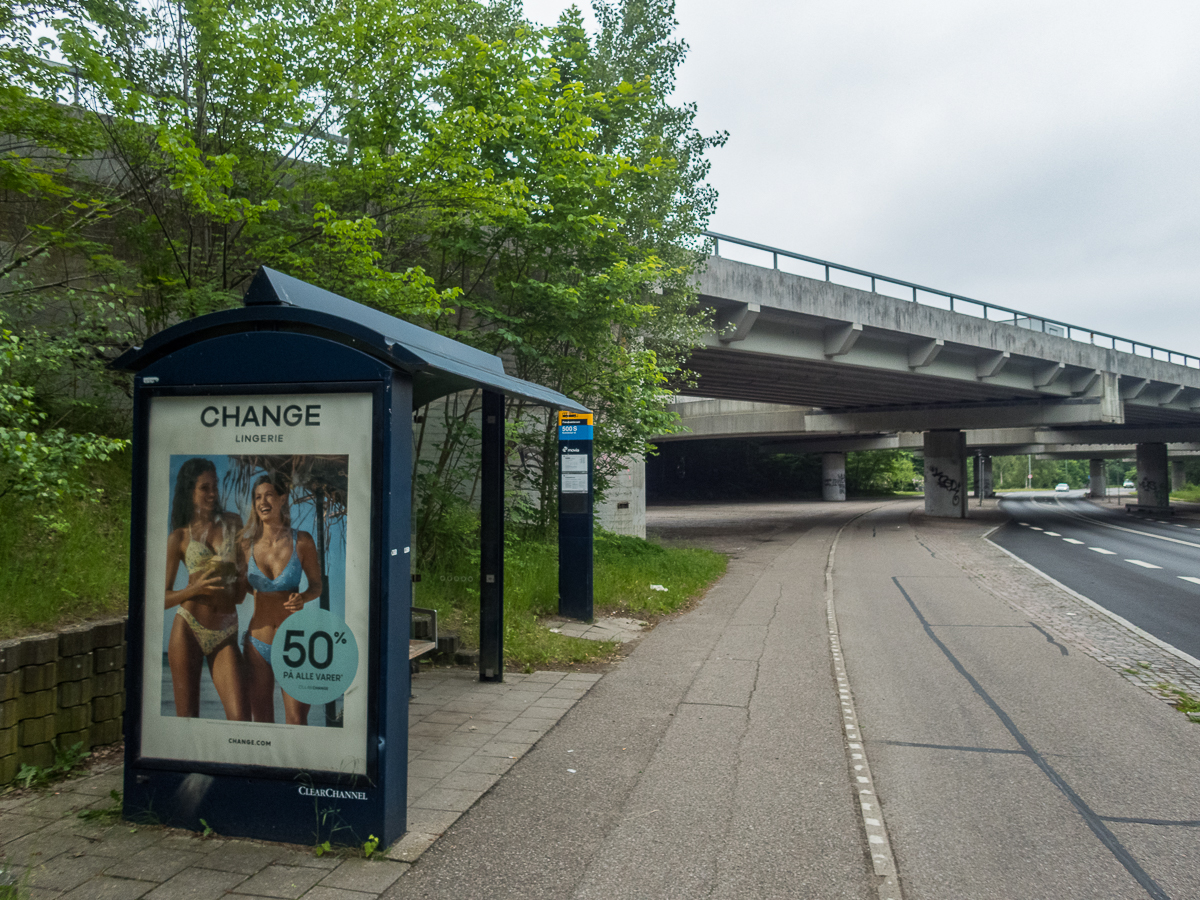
714 763
1145 570
1008 764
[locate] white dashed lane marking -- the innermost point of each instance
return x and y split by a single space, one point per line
1190 578
1102 550
1052 533
1072 541
1035 528
1144 565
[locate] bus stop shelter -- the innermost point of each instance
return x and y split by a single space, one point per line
279 376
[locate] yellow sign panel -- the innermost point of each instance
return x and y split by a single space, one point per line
572 418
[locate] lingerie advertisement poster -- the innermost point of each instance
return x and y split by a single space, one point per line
258 554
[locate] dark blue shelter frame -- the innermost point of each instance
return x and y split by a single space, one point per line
292 337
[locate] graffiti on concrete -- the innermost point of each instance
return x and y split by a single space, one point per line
1162 497
834 486
945 482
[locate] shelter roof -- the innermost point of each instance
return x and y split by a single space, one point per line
438 365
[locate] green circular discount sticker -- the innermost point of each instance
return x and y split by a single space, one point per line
314 655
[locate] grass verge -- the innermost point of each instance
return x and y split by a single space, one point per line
625 569
52 579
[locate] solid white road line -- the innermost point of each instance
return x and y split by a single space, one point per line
1144 565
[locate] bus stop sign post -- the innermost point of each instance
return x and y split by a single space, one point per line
575 515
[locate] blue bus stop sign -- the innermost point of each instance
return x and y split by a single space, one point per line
575 467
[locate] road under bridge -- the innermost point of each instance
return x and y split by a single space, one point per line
819 365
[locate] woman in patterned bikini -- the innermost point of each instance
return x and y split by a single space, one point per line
276 555
204 540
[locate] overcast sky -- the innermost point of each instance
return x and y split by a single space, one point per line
1038 155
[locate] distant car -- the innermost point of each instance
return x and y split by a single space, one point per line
1127 483
1062 486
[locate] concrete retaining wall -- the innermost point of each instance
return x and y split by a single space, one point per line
60 689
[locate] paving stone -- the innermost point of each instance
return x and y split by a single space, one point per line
492 765
479 782
123 840
7 804
481 726
39 847
197 884
445 753
59 804
410 847
548 702
431 821
588 678
445 717
418 786
366 875
244 857
306 858
535 714
157 863
562 693
328 893
451 801
289 882
503 716
469 740
101 784
102 887
513 735
470 707
545 677
195 843
15 825
432 768
64 873
498 748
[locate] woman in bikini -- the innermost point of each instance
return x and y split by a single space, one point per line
204 540
276 555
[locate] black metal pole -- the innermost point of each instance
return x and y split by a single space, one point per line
491 541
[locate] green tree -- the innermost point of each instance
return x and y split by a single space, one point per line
875 471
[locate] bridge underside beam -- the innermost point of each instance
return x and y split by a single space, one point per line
1082 411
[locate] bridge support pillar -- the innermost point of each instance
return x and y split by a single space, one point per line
1153 487
1097 478
833 476
946 474
1178 476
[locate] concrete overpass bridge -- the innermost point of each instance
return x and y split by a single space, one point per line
842 359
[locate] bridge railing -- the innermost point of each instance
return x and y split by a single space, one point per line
992 312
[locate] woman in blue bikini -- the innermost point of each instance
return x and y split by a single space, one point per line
204 540
277 555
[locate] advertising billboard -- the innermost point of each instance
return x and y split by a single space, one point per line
257 585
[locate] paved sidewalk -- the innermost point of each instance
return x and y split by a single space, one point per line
611 628
464 735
